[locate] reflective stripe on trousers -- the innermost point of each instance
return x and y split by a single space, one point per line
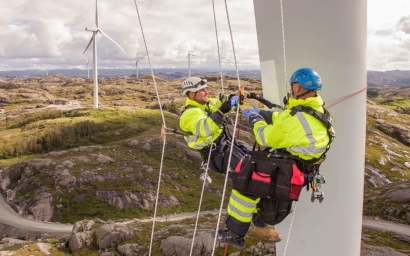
241 207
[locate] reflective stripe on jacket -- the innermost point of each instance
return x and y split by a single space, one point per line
301 134
195 120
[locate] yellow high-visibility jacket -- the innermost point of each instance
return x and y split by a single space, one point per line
302 134
204 122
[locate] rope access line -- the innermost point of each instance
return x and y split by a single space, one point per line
210 150
200 200
283 44
164 124
290 228
348 96
217 44
286 90
233 133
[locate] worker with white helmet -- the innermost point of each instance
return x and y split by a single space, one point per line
204 120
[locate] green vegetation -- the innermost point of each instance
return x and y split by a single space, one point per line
386 239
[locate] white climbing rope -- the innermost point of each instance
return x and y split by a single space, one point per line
283 44
233 134
286 86
210 149
164 137
200 200
290 228
217 44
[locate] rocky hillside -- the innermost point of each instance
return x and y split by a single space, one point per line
63 161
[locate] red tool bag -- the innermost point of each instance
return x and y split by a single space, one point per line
268 175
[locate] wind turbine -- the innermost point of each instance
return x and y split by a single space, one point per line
188 56
136 63
95 31
88 70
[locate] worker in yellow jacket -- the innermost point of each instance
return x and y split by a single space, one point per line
298 133
203 120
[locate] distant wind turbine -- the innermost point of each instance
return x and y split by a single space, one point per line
188 56
136 63
88 70
46 70
95 31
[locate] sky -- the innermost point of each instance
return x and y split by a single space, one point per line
50 34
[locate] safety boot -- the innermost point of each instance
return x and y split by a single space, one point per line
230 237
267 233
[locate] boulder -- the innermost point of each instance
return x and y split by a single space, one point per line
39 164
80 240
399 196
42 208
181 246
111 235
129 249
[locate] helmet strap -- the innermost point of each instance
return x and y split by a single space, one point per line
303 94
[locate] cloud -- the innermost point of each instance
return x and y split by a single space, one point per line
44 32
404 24
52 33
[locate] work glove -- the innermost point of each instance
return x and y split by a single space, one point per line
255 108
226 107
252 116
234 100
248 112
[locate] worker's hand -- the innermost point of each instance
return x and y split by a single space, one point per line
234 100
226 107
248 112
255 108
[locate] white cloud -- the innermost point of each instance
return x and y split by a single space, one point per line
43 32
388 38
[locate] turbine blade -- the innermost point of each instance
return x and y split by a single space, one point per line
111 39
187 47
92 38
96 13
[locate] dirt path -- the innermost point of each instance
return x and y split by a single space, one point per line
12 219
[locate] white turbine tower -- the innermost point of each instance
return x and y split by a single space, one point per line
188 56
136 63
46 70
95 30
88 70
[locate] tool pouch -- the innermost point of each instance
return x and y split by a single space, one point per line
261 174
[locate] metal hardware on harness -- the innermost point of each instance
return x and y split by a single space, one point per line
316 184
165 131
204 177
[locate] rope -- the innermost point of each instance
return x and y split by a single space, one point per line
283 44
164 125
290 228
348 96
210 150
200 200
217 44
233 133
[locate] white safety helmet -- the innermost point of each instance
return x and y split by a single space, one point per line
193 84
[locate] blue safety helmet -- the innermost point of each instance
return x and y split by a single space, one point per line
308 78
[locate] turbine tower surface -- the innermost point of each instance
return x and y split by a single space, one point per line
93 40
329 37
